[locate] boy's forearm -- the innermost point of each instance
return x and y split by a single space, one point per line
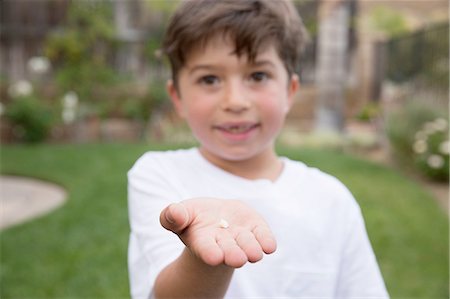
189 277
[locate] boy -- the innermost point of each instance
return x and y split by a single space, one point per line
233 82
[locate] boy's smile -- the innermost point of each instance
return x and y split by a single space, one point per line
235 108
237 131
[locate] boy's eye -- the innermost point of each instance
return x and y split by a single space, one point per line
209 80
259 76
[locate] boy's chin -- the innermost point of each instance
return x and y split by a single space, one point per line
233 154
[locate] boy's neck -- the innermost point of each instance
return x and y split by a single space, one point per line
265 165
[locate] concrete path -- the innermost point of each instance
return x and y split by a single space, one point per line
22 199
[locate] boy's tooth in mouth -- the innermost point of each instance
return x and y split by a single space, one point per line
238 128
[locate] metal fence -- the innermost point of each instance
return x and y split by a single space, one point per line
420 62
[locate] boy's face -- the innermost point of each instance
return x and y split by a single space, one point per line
233 107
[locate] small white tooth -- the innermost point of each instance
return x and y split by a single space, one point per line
223 223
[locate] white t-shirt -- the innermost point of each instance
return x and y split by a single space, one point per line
322 245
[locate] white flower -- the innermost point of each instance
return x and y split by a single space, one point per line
435 161
68 116
70 103
444 147
440 124
70 100
20 88
420 146
39 65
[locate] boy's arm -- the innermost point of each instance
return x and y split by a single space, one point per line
219 235
189 277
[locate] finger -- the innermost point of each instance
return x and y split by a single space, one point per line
175 218
233 254
265 238
248 243
208 251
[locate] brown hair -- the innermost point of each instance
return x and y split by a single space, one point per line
251 24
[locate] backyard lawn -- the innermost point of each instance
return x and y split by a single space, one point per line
79 251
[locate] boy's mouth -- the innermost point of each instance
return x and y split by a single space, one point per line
237 128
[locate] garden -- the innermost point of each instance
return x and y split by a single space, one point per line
80 250
80 119
78 87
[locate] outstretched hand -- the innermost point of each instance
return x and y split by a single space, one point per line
220 231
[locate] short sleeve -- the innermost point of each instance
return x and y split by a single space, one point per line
151 247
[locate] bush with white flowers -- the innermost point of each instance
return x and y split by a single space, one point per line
21 88
431 149
30 117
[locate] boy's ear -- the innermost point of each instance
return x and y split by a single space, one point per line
293 88
175 97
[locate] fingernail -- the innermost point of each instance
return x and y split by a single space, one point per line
169 217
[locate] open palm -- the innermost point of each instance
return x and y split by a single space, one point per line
220 231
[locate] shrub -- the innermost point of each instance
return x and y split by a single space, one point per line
31 118
368 112
431 149
401 127
388 21
83 51
405 129
158 94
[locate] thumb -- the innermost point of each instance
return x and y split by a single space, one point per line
175 218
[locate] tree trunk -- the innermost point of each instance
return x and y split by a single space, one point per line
332 64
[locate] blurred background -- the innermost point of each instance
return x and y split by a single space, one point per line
82 96
373 74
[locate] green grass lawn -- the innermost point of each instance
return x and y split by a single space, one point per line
79 251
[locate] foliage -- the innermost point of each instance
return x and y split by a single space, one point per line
158 94
402 127
30 117
136 108
131 106
160 12
388 21
84 77
83 55
431 149
82 50
164 7
369 111
153 48
409 233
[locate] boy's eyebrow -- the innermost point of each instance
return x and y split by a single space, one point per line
202 67
210 67
259 63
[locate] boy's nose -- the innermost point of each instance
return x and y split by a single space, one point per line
235 98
